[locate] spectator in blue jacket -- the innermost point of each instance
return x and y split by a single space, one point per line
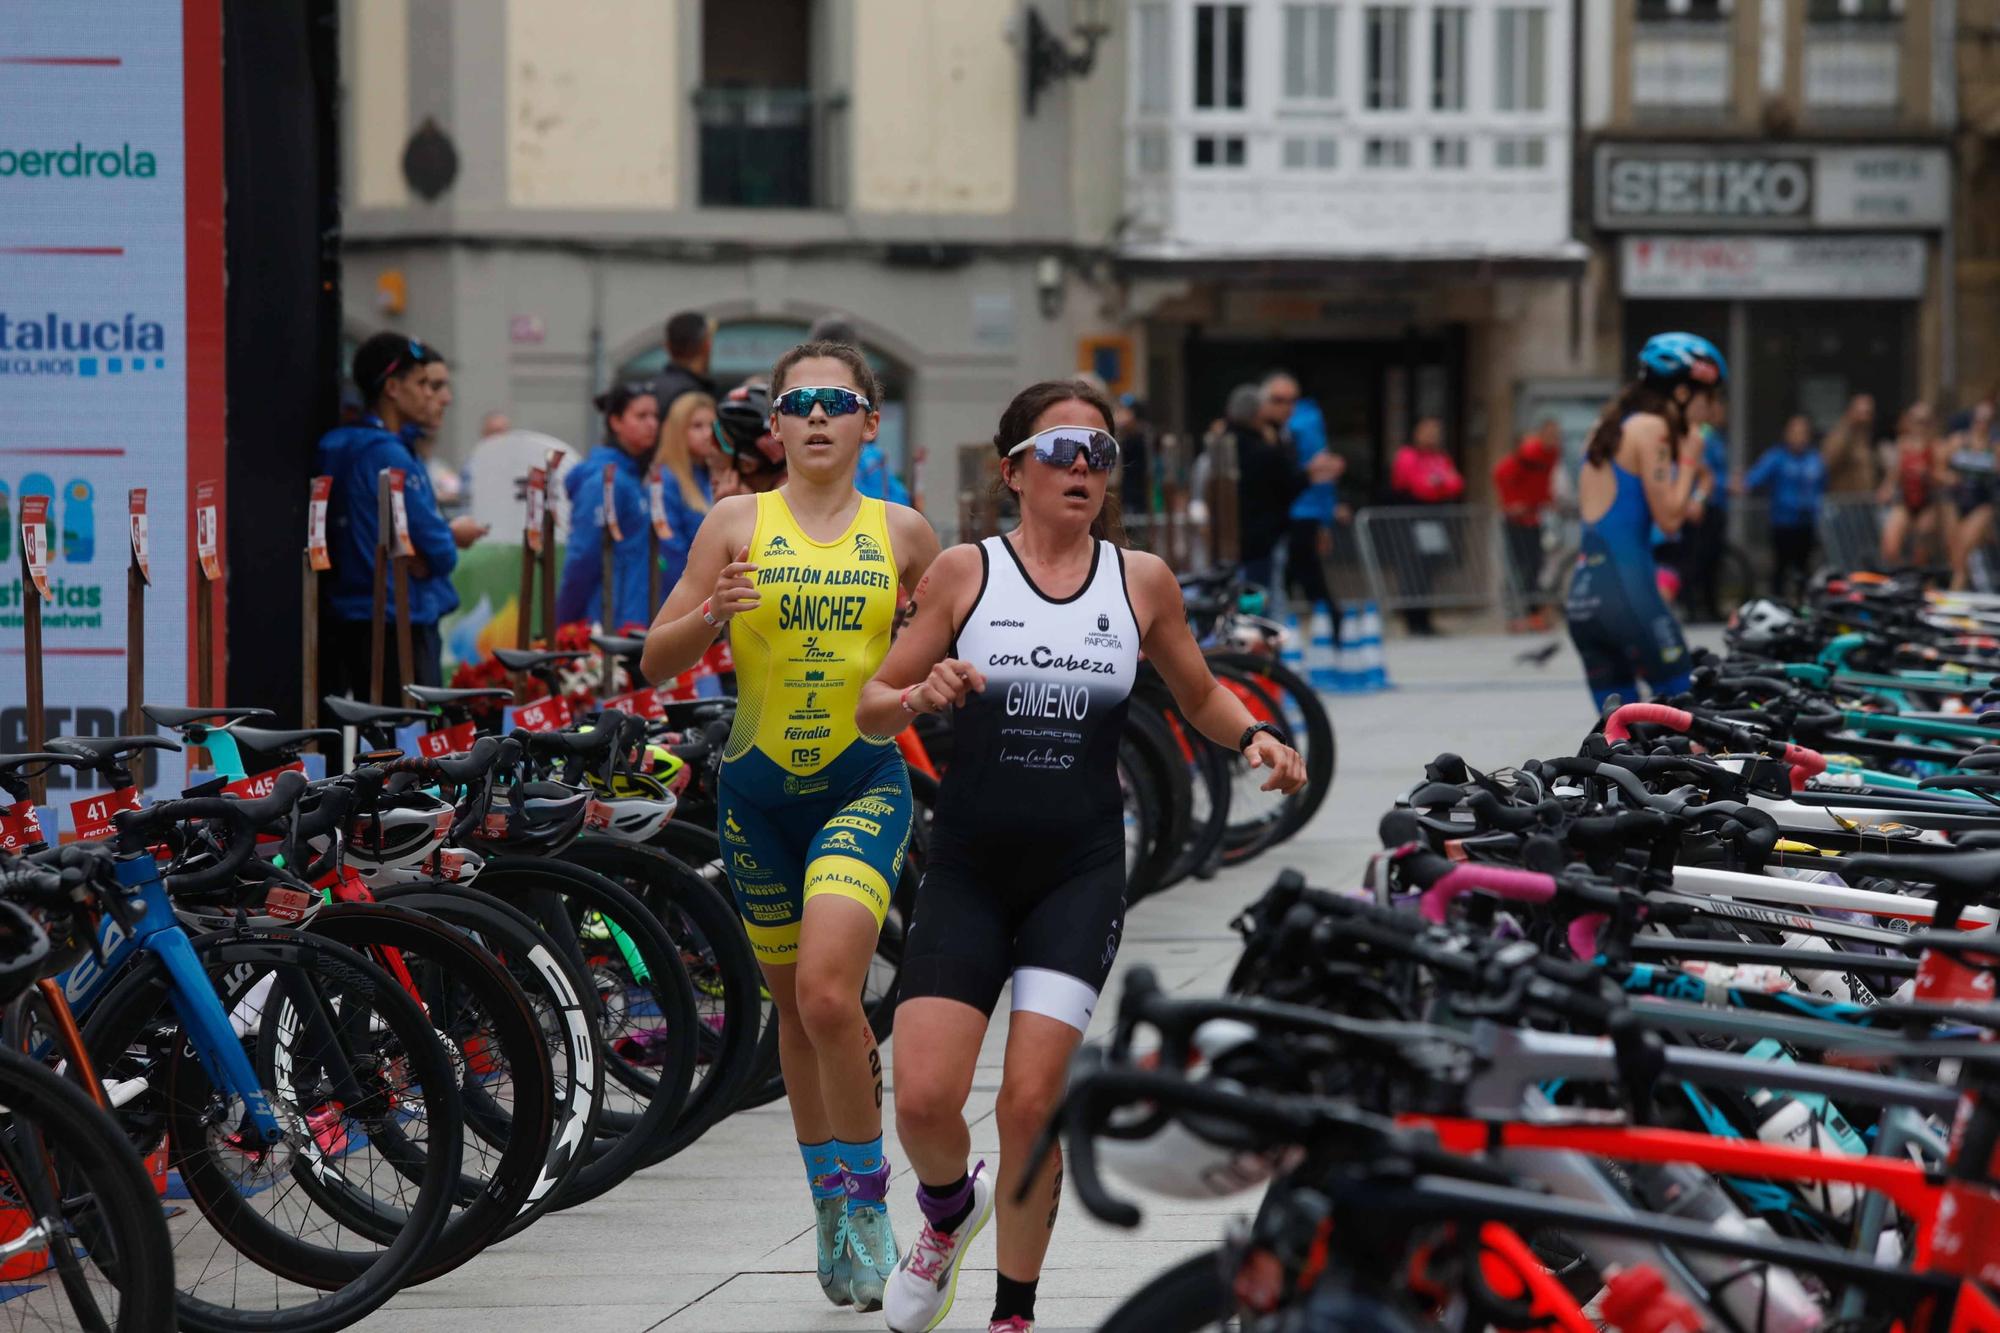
1795 475
405 388
631 432
1309 533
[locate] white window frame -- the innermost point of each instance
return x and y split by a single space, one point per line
1219 74
1514 58
1400 81
1317 56
1458 72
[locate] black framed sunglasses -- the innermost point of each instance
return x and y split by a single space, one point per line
1058 446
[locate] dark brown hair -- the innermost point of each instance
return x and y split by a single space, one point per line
846 353
1018 422
1641 395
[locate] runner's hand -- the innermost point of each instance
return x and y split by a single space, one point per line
465 530
949 684
734 589
1288 770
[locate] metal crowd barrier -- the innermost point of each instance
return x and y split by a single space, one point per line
1434 557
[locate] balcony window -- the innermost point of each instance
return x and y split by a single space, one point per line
1311 153
1385 151
1521 71
756 113
1311 52
1681 60
1152 74
1853 59
1219 150
1218 57
1520 151
1448 23
1449 153
1388 58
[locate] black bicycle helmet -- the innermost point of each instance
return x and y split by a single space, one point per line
533 818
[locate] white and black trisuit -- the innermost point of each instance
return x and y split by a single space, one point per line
1026 877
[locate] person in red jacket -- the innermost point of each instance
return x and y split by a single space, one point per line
1423 473
1525 482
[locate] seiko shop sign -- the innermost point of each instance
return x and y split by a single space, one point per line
1710 187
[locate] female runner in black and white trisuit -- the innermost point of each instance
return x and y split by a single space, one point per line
1034 638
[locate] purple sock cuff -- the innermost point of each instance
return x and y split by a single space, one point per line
937 1207
869 1186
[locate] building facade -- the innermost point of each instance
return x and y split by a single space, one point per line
536 185
1374 196
1778 176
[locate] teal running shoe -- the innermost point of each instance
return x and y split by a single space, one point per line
871 1244
836 1270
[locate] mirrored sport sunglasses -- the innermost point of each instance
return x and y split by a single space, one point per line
1058 446
838 402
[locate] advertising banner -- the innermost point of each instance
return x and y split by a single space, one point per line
110 338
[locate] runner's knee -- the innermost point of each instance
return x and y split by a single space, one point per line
828 1008
1026 1102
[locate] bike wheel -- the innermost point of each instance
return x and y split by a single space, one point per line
1147 743
720 965
505 1075
555 993
637 983
1190 1297
84 1197
366 1092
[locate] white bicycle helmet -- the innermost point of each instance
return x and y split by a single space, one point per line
632 807
1760 624
400 834
1189 1159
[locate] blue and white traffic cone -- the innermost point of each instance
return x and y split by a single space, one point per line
1373 670
1323 666
1293 651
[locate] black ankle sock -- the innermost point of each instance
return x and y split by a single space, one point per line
1014 1300
952 1220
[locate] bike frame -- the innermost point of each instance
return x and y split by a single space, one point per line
204 1020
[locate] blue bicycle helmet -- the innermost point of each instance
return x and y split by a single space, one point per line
1682 358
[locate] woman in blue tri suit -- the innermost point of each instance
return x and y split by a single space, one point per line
1642 465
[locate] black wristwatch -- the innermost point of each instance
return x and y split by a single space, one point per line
1250 734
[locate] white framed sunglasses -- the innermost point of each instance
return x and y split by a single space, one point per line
1058 446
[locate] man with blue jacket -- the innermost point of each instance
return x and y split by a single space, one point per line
1795 477
406 387
1309 535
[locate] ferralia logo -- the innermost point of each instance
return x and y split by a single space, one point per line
78 163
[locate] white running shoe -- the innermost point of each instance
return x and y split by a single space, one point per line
921 1289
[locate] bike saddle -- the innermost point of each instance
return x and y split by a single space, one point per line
107 749
1966 876
592 744
438 695
286 743
620 645
526 659
1984 760
172 715
357 714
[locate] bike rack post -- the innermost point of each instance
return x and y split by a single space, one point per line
548 554
608 537
317 561
657 531
34 586
536 495
138 574
379 611
208 550
399 565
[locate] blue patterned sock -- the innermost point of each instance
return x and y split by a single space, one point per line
823 1169
867 1172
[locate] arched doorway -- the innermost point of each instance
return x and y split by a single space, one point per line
750 347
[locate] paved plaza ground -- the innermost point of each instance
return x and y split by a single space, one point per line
719 1239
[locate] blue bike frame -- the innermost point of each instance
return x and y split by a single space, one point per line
204 1020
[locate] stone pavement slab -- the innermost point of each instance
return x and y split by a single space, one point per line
718 1240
